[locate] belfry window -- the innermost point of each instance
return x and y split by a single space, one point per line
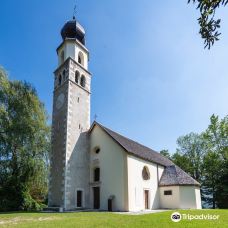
64 75
77 75
145 173
97 174
81 58
60 79
83 81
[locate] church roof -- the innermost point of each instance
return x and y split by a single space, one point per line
173 176
136 149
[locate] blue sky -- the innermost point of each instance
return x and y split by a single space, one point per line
152 79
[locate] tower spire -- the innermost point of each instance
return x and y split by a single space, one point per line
75 11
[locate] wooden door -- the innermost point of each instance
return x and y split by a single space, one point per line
146 197
96 197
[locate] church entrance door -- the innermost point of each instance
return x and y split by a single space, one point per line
146 197
96 197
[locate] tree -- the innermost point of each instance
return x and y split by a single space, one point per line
217 135
165 153
208 24
24 145
205 157
211 178
189 154
215 182
222 189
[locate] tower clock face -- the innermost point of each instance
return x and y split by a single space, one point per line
60 101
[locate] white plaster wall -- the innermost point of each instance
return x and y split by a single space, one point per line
198 198
160 171
112 163
190 197
187 197
183 197
71 49
136 184
170 201
85 54
62 48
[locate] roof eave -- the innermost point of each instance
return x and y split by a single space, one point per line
129 152
169 185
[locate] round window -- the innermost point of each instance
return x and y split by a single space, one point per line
97 150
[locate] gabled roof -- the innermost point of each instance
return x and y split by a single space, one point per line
135 148
173 176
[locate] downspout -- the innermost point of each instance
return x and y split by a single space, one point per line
158 190
157 176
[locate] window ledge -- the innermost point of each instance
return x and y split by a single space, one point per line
95 183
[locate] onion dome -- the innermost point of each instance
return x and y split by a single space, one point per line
73 30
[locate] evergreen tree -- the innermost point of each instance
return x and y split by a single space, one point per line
165 153
215 182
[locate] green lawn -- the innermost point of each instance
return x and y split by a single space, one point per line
106 219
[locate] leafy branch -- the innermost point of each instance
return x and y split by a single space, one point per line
209 26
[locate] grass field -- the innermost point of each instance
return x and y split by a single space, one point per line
106 219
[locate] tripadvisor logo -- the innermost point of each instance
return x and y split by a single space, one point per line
176 217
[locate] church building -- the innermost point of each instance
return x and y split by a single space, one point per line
93 167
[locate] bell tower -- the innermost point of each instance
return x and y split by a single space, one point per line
69 160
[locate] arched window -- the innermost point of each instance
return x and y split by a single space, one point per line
60 79
145 173
62 57
64 75
83 81
97 174
81 58
77 75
